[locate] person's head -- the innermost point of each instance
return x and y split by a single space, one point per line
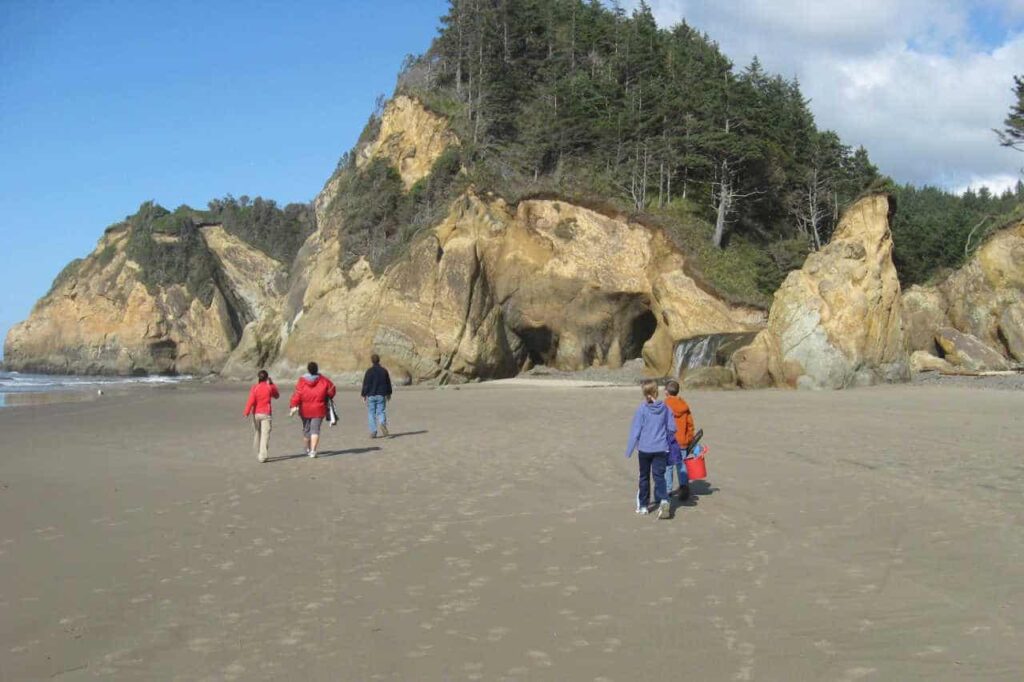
375 359
262 375
650 390
313 368
672 387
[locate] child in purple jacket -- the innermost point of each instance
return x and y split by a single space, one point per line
652 429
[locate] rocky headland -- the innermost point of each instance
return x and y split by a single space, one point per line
493 288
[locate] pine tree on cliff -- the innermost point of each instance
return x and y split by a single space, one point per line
573 96
1012 135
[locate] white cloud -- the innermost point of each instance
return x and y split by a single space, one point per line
905 78
996 183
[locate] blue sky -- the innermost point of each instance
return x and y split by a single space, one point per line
105 104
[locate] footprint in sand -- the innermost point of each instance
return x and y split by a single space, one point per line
539 658
497 634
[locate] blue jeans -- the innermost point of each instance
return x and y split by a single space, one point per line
681 476
376 411
651 463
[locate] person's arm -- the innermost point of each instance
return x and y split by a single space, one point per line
387 385
331 389
273 390
296 398
251 402
366 384
634 432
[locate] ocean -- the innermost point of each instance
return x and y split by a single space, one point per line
18 388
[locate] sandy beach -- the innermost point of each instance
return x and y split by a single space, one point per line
872 534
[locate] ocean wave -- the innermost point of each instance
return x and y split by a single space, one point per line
15 382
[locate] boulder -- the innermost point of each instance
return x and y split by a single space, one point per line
983 299
920 361
708 377
923 310
1011 330
968 352
836 322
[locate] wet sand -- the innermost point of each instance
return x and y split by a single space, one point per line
873 534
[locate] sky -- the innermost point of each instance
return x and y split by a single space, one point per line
104 105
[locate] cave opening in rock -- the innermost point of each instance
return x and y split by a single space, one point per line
641 329
540 343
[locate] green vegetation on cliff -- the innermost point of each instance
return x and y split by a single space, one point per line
576 99
572 98
380 217
935 232
277 232
169 247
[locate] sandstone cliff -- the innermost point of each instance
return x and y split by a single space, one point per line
835 322
486 289
975 317
101 318
494 288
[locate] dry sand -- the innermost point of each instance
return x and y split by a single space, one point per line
862 535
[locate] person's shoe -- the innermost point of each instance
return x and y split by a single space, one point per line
643 510
262 460
665 510
384 431
373 435
312 454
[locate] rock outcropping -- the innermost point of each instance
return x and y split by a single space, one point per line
835 322
983 302
100 318
489 290
494 288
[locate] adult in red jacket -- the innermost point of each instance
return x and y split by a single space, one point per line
312 392
258 405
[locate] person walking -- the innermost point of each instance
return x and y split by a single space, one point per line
376 395
649 435
258 405
312 391
684 437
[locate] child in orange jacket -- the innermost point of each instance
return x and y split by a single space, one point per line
684 435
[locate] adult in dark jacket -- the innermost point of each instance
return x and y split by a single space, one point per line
376 394
310 400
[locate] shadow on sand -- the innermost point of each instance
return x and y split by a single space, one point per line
405 433
326 453
698 489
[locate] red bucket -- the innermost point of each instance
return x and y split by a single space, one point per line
696 470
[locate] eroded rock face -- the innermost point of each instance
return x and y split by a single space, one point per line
101 319
253 278
494 287
983 299
411 138
835 322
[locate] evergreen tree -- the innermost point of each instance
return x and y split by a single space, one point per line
1012 135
